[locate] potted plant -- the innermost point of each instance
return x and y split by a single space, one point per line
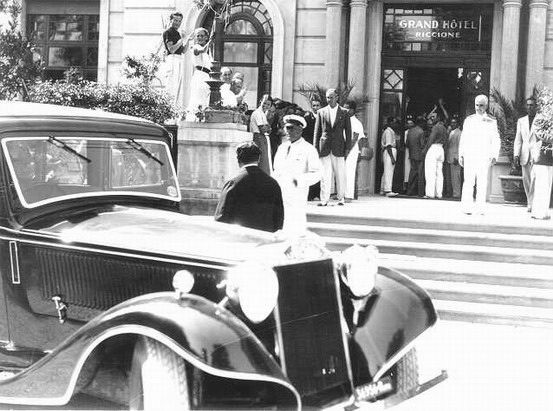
507 113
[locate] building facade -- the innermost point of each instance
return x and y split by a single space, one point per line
401 55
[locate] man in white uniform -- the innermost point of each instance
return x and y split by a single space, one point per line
296 167
478 149
521 148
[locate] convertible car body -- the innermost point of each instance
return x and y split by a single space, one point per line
108 289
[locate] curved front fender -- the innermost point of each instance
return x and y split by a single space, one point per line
209 337
391 320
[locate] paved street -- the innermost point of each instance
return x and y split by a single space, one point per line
490 367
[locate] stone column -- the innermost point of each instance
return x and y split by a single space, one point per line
357 45
536 44
509 47
334 42
374 63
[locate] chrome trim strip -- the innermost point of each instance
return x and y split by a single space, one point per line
163 339
85 195
14 261
280 339
397 356
345 332
119 253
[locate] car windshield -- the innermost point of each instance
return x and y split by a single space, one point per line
53 168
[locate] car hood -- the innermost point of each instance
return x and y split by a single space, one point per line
161 232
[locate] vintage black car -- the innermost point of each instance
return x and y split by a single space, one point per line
108 289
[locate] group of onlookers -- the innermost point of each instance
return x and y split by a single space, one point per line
430 143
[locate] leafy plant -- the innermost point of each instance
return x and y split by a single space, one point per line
543 122
136 98
18 69
143 68
317 91
507 113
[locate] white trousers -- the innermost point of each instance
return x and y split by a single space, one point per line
476 172
333 167
351 167
174 75
388 176
543 178
406 167
433 171
528 182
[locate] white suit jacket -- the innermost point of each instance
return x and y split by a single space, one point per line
521 146
480 139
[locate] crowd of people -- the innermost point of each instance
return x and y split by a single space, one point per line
313 155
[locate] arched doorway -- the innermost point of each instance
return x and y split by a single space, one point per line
247 46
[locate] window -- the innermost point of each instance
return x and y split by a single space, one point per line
247 46
66 41
49 169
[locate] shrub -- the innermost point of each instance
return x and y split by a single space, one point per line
17 66
136 98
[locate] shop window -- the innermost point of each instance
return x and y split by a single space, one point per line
66 41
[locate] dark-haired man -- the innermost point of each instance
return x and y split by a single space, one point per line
521 148
310 118
175 47
251 198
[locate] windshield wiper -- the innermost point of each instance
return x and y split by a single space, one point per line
137 146
64 146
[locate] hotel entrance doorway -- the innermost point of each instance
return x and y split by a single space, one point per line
415 90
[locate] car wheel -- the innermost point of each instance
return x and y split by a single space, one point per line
157 378
405 374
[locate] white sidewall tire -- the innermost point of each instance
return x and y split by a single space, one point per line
158 378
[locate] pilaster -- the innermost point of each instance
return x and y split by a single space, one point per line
334 9
509 47
357 45
536 44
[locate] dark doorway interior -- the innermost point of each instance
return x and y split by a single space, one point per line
426 85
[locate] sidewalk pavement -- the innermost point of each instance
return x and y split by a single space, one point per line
430 210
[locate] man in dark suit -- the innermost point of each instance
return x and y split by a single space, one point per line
332 139
251 198
307 134
415 143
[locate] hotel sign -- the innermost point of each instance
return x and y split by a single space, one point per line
453 27
429 28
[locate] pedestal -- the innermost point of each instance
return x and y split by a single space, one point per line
501 167
206 160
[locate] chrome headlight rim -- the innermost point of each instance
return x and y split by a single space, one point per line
357 267
253 286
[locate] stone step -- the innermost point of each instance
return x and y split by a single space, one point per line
449 251
494 313
425 235
477 223
479 272
489 294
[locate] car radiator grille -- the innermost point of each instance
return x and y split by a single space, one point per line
309 325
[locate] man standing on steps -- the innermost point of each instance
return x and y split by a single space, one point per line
478 150
521 148
332 139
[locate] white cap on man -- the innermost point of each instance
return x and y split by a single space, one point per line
295 119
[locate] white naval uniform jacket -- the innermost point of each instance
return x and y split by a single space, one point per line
479 140
297 161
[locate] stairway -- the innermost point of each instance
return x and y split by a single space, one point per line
476 273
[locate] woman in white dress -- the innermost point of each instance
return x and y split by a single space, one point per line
201 62
357 133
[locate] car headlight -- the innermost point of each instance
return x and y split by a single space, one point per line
255 287
358 266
